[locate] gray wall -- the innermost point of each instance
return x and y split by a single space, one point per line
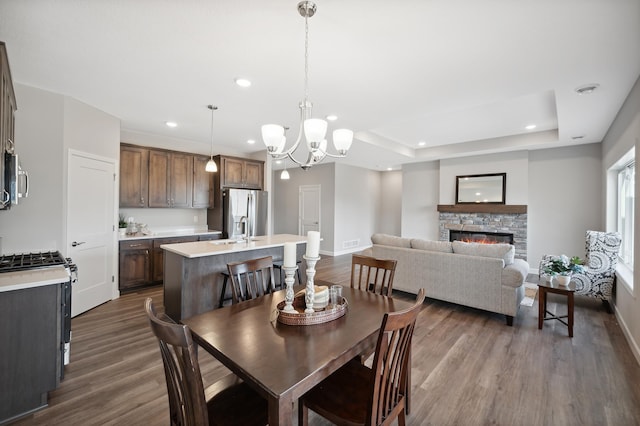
285 201
48 125
420 193
390 203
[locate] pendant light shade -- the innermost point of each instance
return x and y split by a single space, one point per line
211 166
284 175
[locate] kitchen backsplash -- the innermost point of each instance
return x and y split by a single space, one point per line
159 220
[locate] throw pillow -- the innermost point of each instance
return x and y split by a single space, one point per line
498 251
390 240
441 246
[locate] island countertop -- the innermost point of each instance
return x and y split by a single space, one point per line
215 247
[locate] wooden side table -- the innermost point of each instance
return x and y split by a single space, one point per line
552 286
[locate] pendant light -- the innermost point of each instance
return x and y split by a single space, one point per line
211 165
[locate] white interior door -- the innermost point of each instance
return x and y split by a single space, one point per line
309 209
90 229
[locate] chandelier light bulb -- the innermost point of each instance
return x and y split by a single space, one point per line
314 130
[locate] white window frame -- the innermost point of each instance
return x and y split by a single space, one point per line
624 271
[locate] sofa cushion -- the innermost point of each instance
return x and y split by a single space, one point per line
498 251
441 246
390 240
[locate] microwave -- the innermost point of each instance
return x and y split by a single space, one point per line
16 181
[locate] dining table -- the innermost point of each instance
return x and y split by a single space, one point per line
280 361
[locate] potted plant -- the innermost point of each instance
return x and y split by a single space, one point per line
122 224
562 267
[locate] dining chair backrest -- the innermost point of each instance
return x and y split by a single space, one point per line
187 404
391 362
371 274
251 278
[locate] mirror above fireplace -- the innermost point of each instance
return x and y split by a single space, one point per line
481 189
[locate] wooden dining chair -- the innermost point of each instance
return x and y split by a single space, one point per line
371 274
229 401
251 278
359 395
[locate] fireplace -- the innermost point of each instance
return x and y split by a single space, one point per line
481 237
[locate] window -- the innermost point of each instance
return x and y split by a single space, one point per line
626 201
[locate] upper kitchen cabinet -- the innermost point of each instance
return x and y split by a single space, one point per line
7 120
201 183
240 173
170 179
134 167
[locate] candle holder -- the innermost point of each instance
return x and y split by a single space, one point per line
310 291
289 271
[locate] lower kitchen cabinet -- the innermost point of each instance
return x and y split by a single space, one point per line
158 254
142 261
135 263
30 353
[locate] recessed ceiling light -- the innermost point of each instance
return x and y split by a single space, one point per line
243 82
389 169
251 141
278 161
530 127
171 123
587 89
422 143
332 117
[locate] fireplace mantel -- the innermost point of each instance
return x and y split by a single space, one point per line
483 208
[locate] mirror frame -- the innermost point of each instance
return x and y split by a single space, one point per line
500 185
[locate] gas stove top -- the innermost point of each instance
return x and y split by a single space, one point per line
26 261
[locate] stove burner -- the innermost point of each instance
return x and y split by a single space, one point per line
24 261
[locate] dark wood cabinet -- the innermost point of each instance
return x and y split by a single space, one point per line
142 261
240 172
134 176
159 178
135 263
157 267
7 120
202 197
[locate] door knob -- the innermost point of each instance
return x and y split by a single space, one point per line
76 244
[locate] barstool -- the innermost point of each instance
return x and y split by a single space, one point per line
224 289
278 265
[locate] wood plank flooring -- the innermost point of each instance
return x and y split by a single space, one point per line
469 368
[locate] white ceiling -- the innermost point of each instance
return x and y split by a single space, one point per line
464 76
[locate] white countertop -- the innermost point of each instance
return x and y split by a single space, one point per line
33 278
167 234
211 248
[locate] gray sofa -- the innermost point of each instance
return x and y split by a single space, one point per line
483 276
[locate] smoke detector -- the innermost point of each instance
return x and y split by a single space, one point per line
587 89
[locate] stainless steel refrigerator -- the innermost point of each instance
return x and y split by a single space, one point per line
244 213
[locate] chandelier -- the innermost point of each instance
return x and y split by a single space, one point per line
314 129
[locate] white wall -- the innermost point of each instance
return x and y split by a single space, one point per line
514 164
47 126
624 134
420 193
357 195
565 200
285 201
389 218
36 223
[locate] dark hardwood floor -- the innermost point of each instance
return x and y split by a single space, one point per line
469 368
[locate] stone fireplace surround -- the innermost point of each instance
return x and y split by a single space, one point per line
497 218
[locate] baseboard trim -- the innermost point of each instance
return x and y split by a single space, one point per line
635 349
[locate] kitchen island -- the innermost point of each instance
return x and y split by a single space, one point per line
192 271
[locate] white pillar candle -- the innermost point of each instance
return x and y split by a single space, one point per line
313 244
289 255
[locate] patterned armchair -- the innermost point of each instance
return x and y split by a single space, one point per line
600 265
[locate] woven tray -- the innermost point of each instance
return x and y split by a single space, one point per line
299 317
